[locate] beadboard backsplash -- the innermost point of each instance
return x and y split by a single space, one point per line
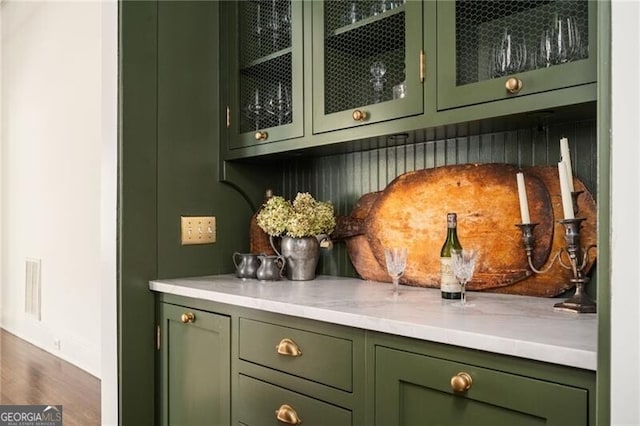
343 178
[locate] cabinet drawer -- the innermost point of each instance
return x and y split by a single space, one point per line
323 359
418 389
260 402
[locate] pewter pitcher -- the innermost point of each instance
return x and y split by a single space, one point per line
246 264
302 255
271 268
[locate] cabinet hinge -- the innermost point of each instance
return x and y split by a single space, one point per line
157 337
228 117
422 66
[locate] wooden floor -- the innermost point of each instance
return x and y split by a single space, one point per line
29 375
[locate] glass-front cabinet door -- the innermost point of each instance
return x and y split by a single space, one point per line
368 63
491 50
263 43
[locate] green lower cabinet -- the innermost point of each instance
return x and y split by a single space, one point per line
262 403
414 389
195 367
276 369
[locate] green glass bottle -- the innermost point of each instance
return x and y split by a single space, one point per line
449 286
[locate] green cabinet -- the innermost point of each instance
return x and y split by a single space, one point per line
326 359
261 43
273 369
262 403
414 389
368 62
293 369
418 383
195 364
359 70
489 51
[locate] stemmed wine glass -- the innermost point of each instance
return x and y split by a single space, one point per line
396 258
254 109
280 104
378 70
509 53
560 42
463 263
275 24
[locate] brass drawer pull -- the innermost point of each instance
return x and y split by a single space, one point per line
261 136
188 317
288 347
461 382
513 85
359 115
286 414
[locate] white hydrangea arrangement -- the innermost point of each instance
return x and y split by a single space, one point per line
304 217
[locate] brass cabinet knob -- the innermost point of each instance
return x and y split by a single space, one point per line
513 85
359 115
261 136
461 382
288 347
286 414
188 317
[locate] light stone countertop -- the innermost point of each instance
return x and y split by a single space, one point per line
521 326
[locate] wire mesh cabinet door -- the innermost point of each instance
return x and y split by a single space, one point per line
263 54
368 62
495 50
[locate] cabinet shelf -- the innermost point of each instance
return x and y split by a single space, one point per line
265 60
368 34
276 67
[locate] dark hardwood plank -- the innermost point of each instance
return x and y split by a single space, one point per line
30 375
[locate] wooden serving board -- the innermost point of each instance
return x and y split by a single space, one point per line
411 212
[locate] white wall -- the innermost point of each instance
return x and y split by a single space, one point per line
108 206
51 171
625 214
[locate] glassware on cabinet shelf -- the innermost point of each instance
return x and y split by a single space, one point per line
400 90
255 110
279 105
286 19
561 42
382 6
378 70
257 28
275 24
509 53
353 14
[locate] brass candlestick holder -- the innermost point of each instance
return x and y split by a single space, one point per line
578 259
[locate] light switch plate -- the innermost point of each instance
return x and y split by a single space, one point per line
198 229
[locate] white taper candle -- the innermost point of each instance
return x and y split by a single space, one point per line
565 192
522 195
565 155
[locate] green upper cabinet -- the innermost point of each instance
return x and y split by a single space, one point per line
493 50
368 62
262 44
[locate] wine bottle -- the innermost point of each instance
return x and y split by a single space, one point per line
449 286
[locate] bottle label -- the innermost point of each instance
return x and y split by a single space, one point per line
448 282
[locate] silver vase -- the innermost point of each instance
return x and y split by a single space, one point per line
301 255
